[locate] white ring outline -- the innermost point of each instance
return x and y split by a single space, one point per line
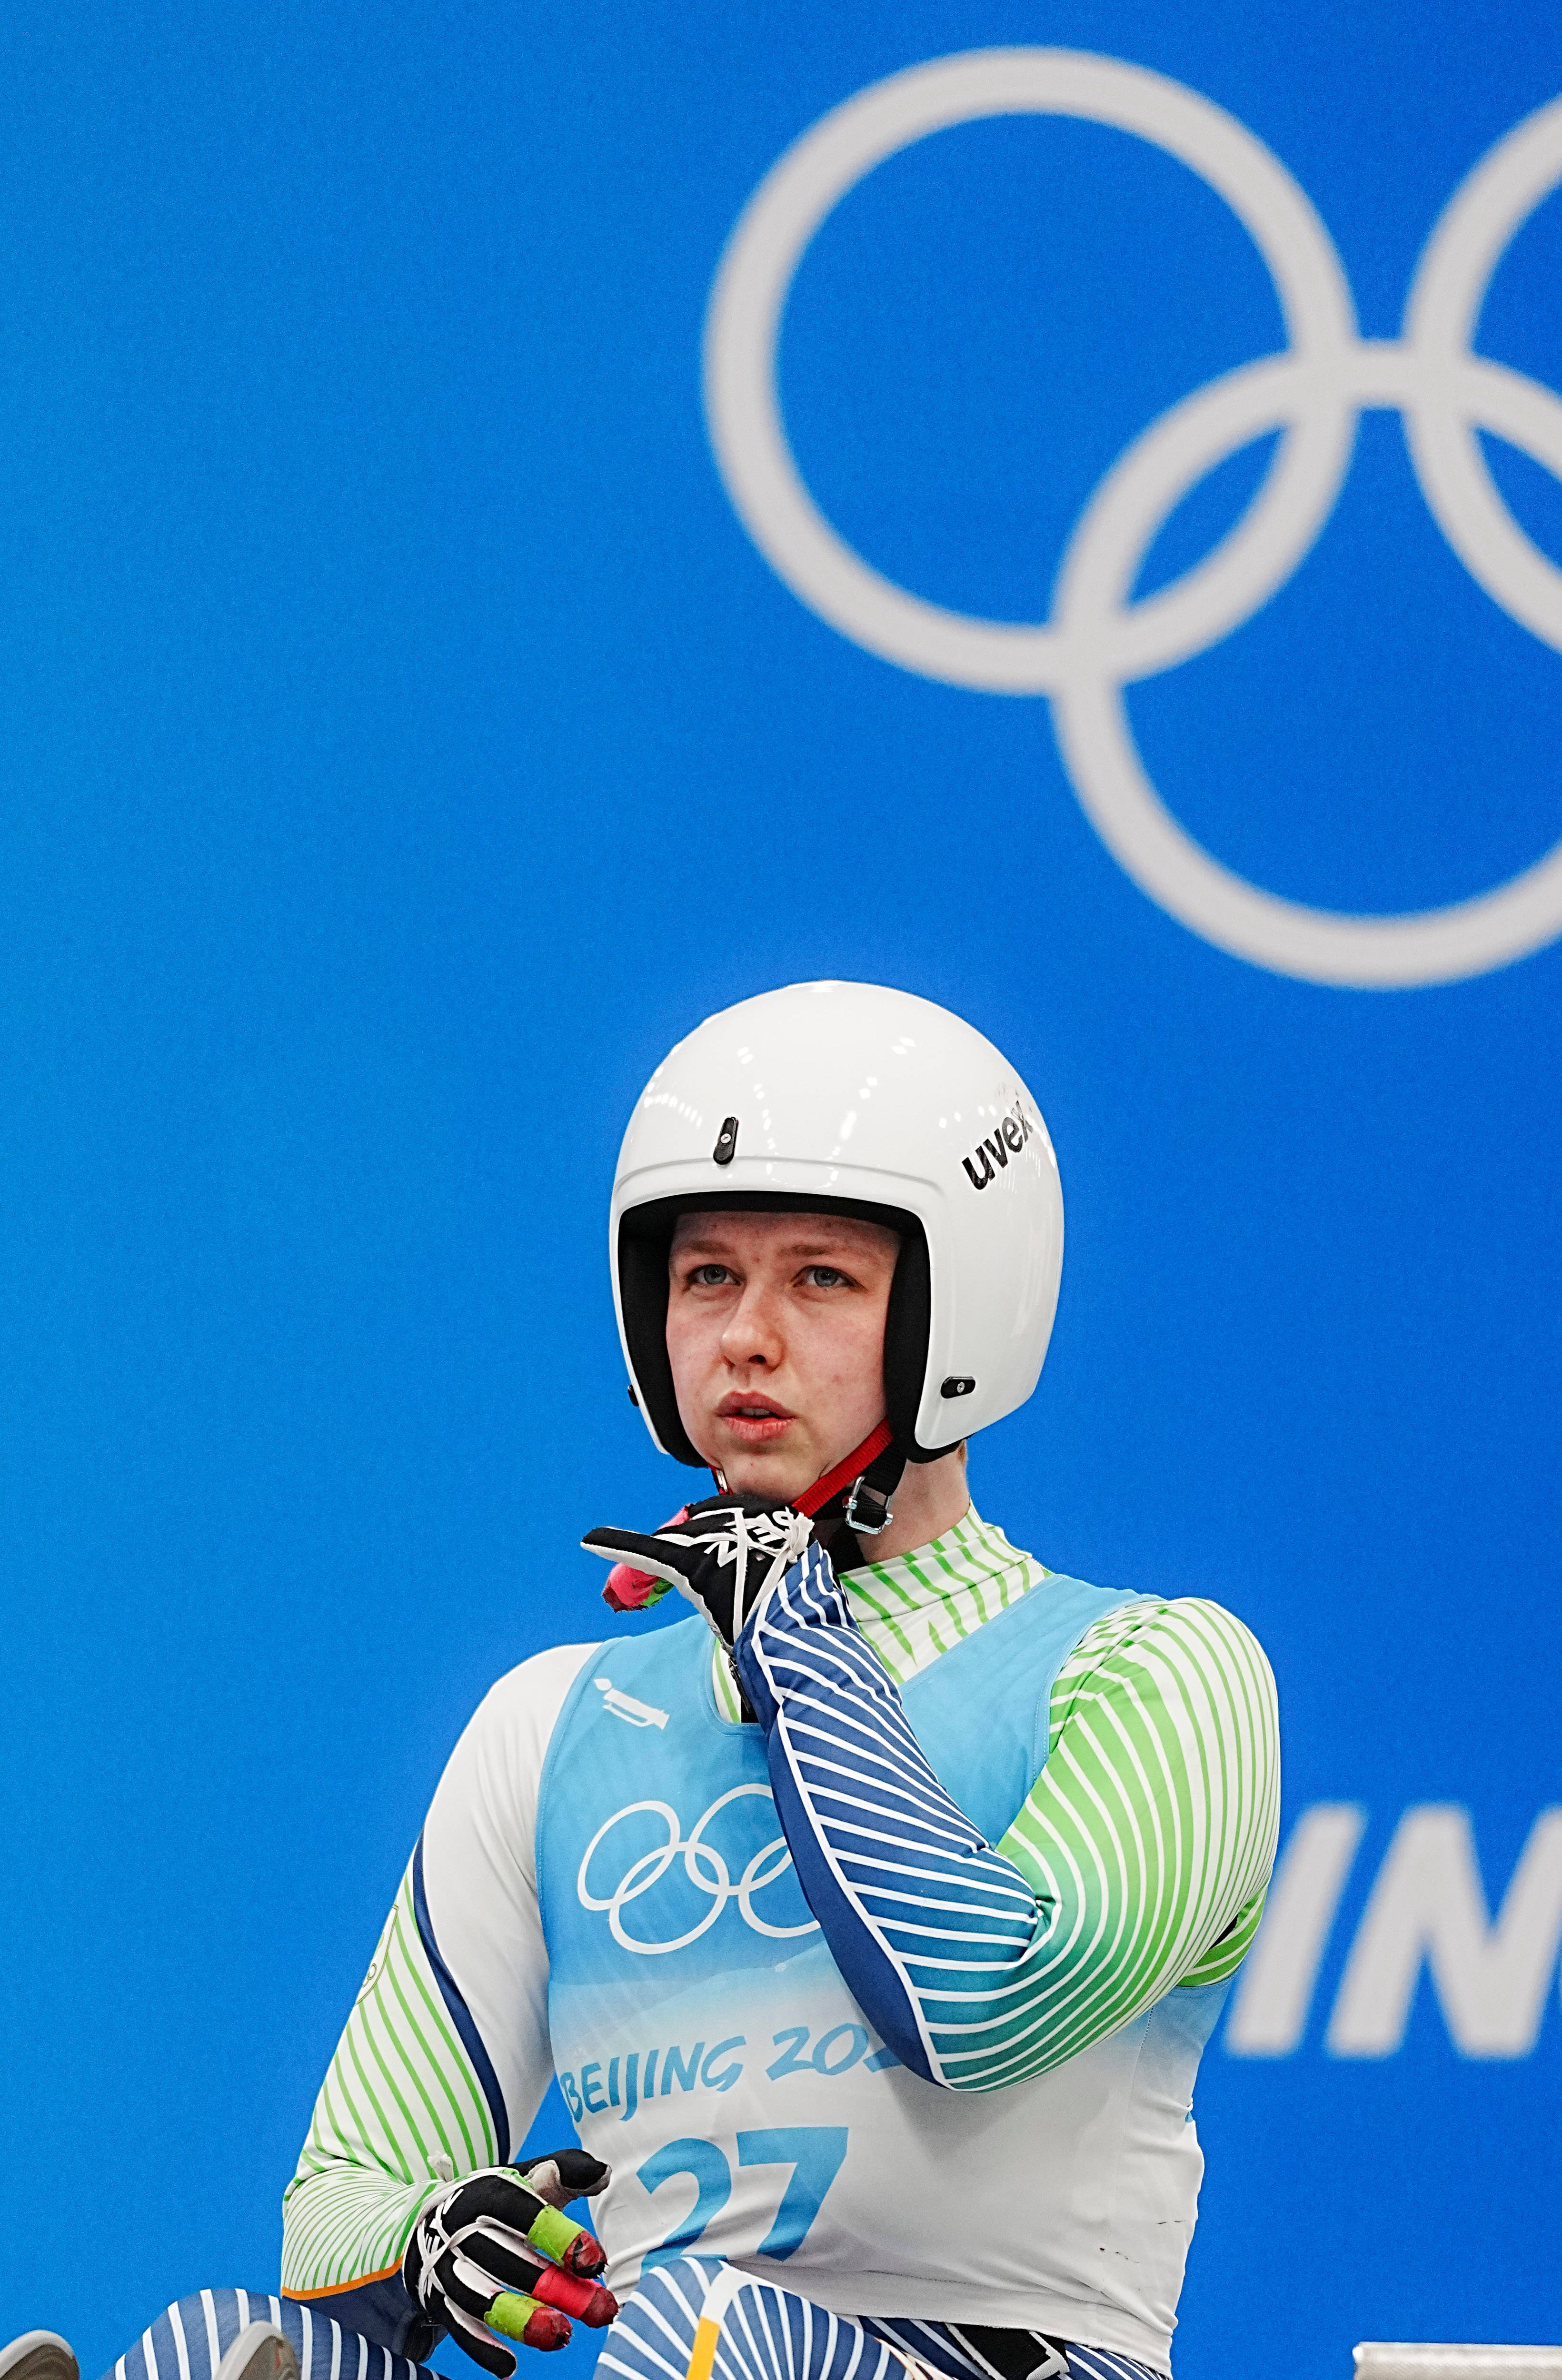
1097 640
652 1866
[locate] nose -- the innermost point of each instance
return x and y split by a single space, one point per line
753 1336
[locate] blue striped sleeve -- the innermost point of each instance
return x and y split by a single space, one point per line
915 1906
1137 1862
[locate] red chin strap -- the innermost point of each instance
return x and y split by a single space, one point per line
851 1466
631 1590
830 1484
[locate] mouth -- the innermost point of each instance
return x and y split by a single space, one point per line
752 1419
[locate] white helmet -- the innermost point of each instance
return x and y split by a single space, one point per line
852 1098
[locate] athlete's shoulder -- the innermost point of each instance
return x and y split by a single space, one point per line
1191 1613
1187 1646
1152 1620
540 1676
522 1708
487 1796
1209 1630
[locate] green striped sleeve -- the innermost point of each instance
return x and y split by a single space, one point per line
401 2113
1149 1837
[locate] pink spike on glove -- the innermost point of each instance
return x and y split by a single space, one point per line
636 1590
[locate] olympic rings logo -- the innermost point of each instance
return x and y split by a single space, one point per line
704 1867
1097 640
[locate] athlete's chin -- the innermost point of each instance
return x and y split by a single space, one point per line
776 1472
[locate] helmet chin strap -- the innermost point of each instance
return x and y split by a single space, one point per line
871 1471
858 1488
852 1498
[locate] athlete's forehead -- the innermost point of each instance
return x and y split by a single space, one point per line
724 1231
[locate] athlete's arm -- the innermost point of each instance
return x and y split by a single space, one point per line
1139 1862
445 2059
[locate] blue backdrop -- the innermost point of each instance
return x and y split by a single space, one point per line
402 741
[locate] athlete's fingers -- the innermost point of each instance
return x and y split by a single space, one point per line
649 1557
565 2174
587 2301
582 2253
490 2237
721 1554
501 2195
502 2256
472 2303
477 2341
633 1590
469 2312
534 2324
464 2286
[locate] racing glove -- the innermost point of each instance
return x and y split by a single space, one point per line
721 1554
493 2253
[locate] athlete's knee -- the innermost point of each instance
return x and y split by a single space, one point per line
175 2341
189 2337
772 2333
685 2280
661 2313
693 2276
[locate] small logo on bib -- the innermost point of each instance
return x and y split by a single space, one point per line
621 1705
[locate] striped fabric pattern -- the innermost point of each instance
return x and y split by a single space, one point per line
1139 1860
1146 1696
403 2106
769 2333
1151 1657
917 1605
401 2113
188 2340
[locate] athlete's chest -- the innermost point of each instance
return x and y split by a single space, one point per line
660 1857
706 2040
661 1861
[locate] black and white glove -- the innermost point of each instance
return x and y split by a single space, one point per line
721 1554
493 2253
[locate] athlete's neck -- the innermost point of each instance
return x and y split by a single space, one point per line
931 1498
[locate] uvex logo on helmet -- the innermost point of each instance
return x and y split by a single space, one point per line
1007 1141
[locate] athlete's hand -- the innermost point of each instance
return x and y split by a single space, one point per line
629 1589
721 1554
493 2254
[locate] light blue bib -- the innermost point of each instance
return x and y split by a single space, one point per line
703 2035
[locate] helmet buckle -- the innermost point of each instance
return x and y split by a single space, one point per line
868 1513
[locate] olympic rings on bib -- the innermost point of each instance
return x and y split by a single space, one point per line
704 1867
1099 640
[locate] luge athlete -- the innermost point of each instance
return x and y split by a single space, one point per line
874 1945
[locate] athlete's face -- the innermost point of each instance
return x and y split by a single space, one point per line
775 1332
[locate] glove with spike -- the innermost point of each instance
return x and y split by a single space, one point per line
495 2254
721 1554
